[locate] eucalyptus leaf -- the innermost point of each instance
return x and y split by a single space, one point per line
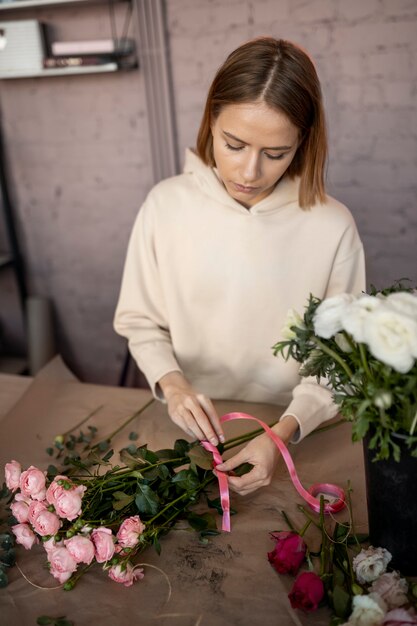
3 578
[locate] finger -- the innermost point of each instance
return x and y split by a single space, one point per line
190 425
202 421
208 407
233 462
244 487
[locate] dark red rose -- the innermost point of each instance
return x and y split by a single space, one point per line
288 553
307 592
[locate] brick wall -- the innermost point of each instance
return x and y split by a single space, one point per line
366 56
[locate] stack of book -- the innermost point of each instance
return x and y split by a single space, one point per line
94 52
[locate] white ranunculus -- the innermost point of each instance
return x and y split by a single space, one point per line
369 564
403 302
383 399
368 610
354 317
327 318
392 338
293 319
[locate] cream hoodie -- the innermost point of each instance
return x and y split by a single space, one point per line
207 285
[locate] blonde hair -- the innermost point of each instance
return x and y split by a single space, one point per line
283 76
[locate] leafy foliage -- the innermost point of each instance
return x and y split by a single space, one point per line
372 395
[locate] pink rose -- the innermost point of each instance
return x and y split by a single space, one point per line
12 473
103 543
288 553
62 564
399 617
307 592
32 483
46 523
67 502
20 510
125 576
50 544
80 548
24 535
35 508
129 531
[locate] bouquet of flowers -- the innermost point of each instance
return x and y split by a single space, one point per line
353 581
92 511
366 349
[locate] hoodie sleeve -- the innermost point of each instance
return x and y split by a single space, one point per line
312 403
141 314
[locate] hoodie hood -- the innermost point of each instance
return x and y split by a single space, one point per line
207 178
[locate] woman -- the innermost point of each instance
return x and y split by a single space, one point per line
219 254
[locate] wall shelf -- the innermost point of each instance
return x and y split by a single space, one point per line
65 71
39 4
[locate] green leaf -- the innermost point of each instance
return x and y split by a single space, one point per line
201 457
63 622
44 620
156 544
131 460
341 601
49 451
108 456
133 436
186 480
103 445
197 522
166 454
147 501
8 557
121 500
4 492
52 470
181 446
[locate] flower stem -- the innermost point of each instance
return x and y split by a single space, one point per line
334 355
130 419
362 353
236 441
85 419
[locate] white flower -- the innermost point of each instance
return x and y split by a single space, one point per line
383 399
327 318
403 302
368 610
369 564
354 317
392 589
293 319
392 338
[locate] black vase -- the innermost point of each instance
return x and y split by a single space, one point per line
391 494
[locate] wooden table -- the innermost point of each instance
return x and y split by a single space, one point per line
224 583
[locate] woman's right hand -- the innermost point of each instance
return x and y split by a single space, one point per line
191 411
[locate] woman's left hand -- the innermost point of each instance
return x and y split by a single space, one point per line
263 454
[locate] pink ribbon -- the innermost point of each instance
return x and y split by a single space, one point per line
310 495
